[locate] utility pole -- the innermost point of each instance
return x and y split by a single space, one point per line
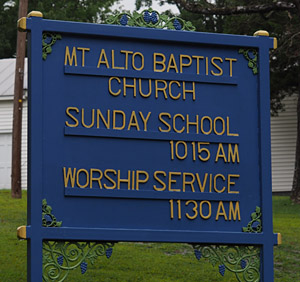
16 191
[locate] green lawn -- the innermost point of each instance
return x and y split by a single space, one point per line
148 261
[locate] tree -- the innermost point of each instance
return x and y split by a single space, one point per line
8 16
72 10
281 19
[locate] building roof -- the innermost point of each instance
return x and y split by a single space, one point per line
7 77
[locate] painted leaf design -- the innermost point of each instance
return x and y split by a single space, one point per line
164 18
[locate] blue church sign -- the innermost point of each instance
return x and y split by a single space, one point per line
151 135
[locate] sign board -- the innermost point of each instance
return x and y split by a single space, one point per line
139 134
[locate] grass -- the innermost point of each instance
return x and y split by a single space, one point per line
149 262
286 216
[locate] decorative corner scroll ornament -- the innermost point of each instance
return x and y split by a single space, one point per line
49 40
251 55
150 18
60 257
243 261
254 226
48 219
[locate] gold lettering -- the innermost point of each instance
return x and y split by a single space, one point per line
126 180
164 122
189 91
82 119
174 123
105 61
221 213
133 121
109 86
216 66
194 209
202 125
87 178
139 180
115 112
195 123
228 130
206 65
182 64
234 212
110 179
163 89
170 90
162 62
142 61
198 58
145 120
126 57
173 181
140 88
184 150
172 64
98 179
202 187
215 183
230 64
156 173
69 176
68 58
125 85
113 61
209 209
106 122
231 183
133 178
233 155
83 54
215 125
72 117
220 153
191 182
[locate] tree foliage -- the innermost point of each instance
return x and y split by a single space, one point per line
71 10
8 16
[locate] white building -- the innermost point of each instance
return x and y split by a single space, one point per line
7 74
283 134
283 144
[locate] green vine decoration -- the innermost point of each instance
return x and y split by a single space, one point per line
49 40
150 18
59 257
243 261
251 55
48 219
254 226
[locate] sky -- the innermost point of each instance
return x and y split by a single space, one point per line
130 5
